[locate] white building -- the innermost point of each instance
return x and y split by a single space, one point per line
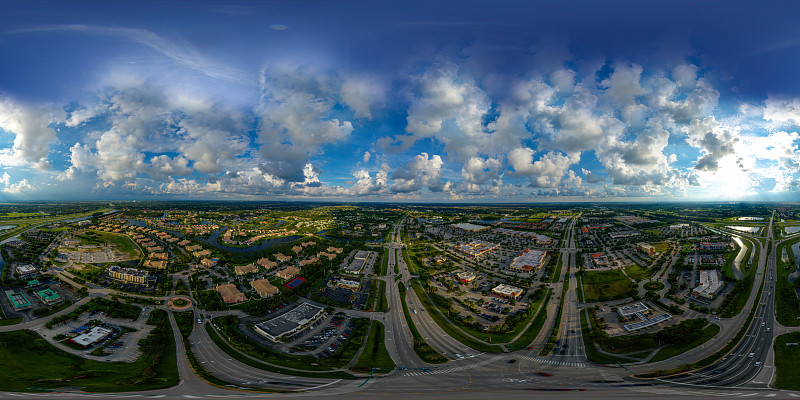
710 284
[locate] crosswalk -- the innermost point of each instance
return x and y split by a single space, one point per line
554 362
448 370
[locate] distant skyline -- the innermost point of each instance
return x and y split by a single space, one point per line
400 101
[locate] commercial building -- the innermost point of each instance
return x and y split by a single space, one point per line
288 273
507 291
264 288
230 294
529 260
359 261
93 337
349 284
26 269
631 309
541 240
646 248
711 283
476 248
128 275
466 276
18 300
48 296
713 246
291 322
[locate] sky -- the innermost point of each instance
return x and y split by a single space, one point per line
418 101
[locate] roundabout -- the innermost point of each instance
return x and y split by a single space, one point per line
180 303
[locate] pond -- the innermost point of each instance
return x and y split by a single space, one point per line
748 229
788 229
212 240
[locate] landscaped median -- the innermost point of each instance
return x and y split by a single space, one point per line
375 357
448 326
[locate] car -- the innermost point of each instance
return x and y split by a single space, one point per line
543 374
758 363
511 361
425 369
763 324
751 355
529 348
199 320
769 330
402 368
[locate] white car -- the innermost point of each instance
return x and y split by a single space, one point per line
751 355
758 363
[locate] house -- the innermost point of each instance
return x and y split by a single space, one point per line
310 261
297 249
245 269
267 263
264 288
282 258
288 273
230 294
208 262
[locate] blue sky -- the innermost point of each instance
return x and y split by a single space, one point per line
413 101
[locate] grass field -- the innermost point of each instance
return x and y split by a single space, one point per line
383 303
635 271
673 350
124 244
533 330
29 362
605 285
375 354
787 362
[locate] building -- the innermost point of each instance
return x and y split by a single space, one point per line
476 248
160 256
208 262
26 269
48 296
466 276
529 260
349 284
297 249
631 309
711 283
469 227
359 261
93 337
541 240
646 248
18 300
245 269
230 294
282 258
507 291
713 246
312 260
678 227
288 273
193 248
183 243
266 263
290 322
309 243
201 253
157 264
337 250
264 288
128 275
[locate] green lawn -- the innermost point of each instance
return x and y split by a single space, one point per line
124 244
673 350
605 285
10 321
787 362
29 362
787 304
375 354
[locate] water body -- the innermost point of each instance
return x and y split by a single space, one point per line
737 262
4 227
788 229
748 229
212 240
